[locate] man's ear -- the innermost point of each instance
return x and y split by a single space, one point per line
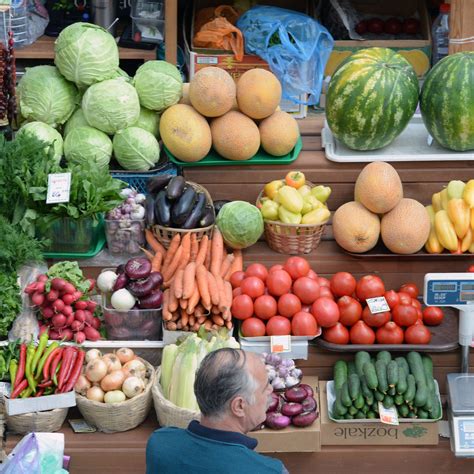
237 406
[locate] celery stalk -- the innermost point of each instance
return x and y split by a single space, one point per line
187 369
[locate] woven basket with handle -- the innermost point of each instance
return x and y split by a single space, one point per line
43 421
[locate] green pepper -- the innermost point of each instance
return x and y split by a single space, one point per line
288 217
321 193
43 342
26 393
291 199
269 210
30 354
44 358
13 369
3 367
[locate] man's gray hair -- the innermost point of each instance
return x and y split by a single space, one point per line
222 376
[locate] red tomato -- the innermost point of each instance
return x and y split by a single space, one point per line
326 292
288 305
361 27
303 324
326 312
278 326
419 321
297 267
313 275
279 282
417 334
393 26
375 320
324 282
350 310
342 284
416 304
360 333
404 314
419 314
236 279
392 298
265 307
369 286
242 307
253 327
337 334
236 292
432 315
405 298
257 270
275 267
411 26
306 289
252 286
306 308
375 25
411 289
389 333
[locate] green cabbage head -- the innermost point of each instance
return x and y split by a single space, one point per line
88 144
45 96
46 134
136 149
86 54
240 223
149 120
159 85
111 105
77 119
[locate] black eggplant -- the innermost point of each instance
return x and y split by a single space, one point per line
162 209
175 188
157 183
183 207
207 217
218 205
193 218
149 211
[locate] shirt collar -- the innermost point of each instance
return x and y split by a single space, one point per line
220 435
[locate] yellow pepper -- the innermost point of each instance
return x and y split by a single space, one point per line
467 241
290 198
432 244
436 202
460 216
445 231
468 193
305 190
455 189
271 189
444 199
310 204
321 193
269 210
317 217
288 217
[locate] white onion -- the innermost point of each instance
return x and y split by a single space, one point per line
125 355
136 368
115 396
93 354
113 381
82 385
96 394
106 281
122 300
133 386
96 370
112 362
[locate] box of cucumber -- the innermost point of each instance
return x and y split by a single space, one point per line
364 388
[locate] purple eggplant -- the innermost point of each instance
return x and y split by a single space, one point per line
121 282
309 404
277 421
296 394
152 301
138 268
291 409
144 287
304 419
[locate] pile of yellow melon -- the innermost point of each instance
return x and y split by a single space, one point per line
236 119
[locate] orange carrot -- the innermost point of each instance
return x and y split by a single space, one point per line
215 310
201 319
194 247
213 290
208 325
201 256
226 262
227 315
193 300
149 255
196 327
166 314
186 244
156 262
228 273
183 304
178 284
217 320
217 247
221 290
188 280
203 285
171 326
172 300
228 324
172 249
207 262
169 270
153 243
237 264
184 317
179 325
175 317
199 311
192 320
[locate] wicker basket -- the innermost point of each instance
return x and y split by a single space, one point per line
165 234
117 417
292 239
43 421
167 413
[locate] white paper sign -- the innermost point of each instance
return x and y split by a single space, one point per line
59 186
389 416
280 343
378 305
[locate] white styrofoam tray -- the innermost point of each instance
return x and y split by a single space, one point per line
410 145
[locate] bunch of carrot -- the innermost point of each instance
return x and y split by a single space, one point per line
196 277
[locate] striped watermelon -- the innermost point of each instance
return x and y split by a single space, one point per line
371 98
447 101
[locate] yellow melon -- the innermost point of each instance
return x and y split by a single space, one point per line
212 91
406 228
185 133
258 93
378 187
235 136
355 228
279 133
185 98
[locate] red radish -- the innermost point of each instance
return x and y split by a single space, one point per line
68 299
77 326
91 306
96 323
67 310
69 288
31 288
58 284
40 286
80 316
79 337
58 305
91 283
42 277
91 334
59 320
89 318
54 334
69 319
37 299
53 295
67 334
48 312
77 295
80 305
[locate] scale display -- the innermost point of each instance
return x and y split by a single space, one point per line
448 290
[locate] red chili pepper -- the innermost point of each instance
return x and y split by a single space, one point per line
21 366
46 384
48 363
67 360
54 364
67 376
39 392
75 372
19 388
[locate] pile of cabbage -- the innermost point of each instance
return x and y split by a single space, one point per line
88 109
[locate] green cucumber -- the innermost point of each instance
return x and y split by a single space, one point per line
403 411
428 369
428 406
384 356
370 399
361 358
375 407
423 414
360 415
402 381
340 374
371 375
392 391
411 388
364 388
352 410
388 401
436 408
351 368
381 370
392 373
348 416
354 386
339 409
416 366
371 415
421 395
345 397
398 399
359 401
365 409
411 414
402 362
379 396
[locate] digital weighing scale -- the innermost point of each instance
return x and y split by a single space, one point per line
457 291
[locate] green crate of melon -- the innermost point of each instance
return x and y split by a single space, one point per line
404 383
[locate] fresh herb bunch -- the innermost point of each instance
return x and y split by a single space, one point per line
7 354
10 301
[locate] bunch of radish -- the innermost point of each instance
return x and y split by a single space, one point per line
67 312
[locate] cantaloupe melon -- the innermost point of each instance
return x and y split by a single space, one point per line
355 228
235 136
406 227
279 133
185 97
258 93
212 91
378 187
185 133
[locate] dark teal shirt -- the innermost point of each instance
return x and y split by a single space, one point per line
201 450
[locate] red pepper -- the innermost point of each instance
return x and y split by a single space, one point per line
46 384
19 388
48 363
67 376
67 361
20 374
75 372
39 392
54 364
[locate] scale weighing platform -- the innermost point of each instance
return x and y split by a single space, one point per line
457 291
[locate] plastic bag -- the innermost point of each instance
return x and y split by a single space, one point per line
295 46
341 18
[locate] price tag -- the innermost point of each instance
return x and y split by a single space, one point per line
81 426
5 389
378 305
280 343
59 185
389 416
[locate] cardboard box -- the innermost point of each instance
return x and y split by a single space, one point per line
18 406
376 433
292 439
199 58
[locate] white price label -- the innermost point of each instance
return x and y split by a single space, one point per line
389 416
59 186
378 305
280 343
